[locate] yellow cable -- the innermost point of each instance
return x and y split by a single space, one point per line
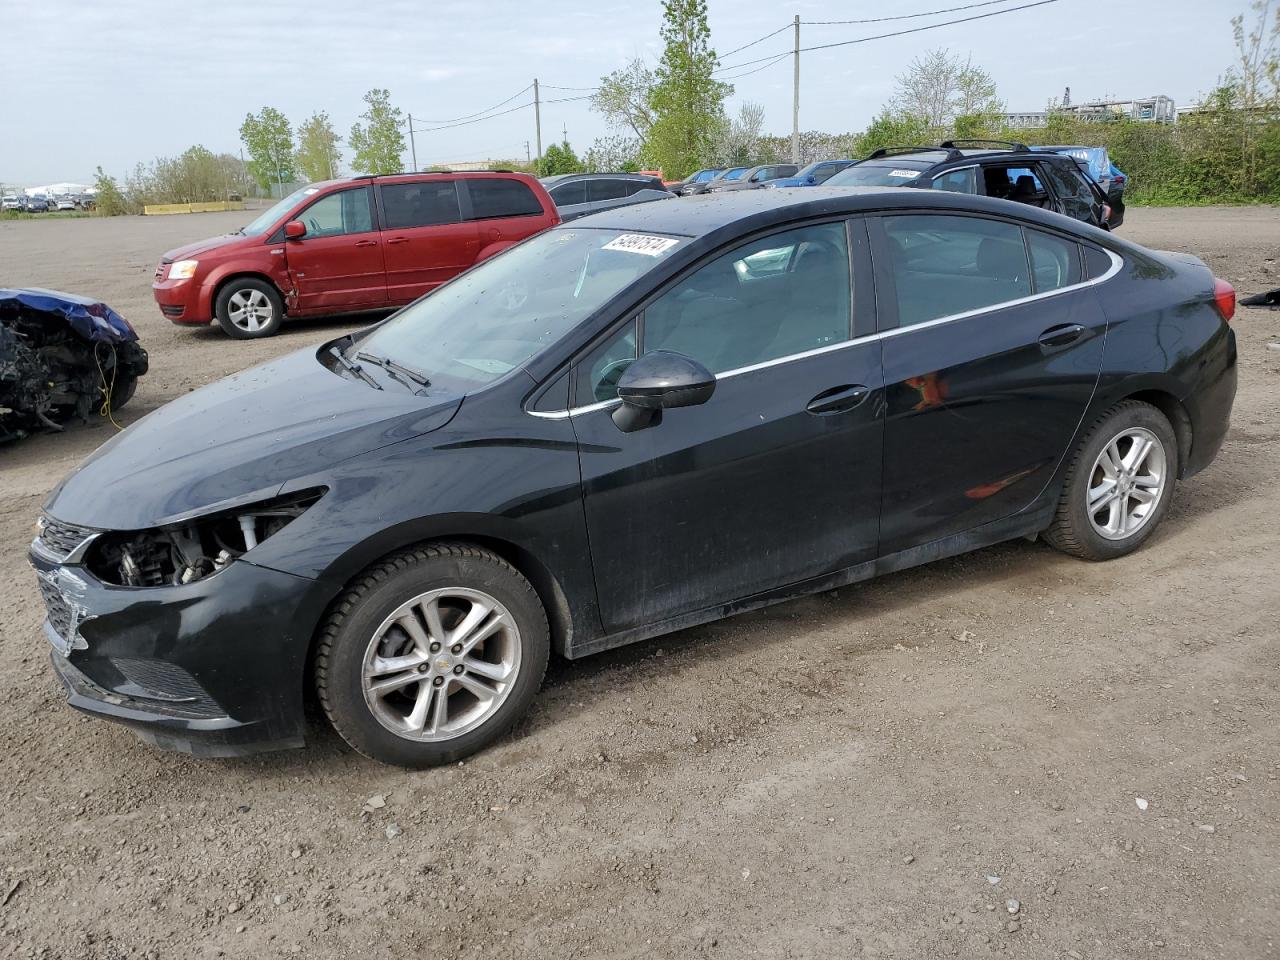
107 388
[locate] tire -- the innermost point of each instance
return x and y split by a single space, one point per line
248 309
123 389
1129 517
364 630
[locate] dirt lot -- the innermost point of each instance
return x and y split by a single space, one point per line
842 776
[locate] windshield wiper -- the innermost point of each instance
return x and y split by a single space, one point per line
352 367
397 371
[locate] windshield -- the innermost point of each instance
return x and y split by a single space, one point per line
497 316
267 219
735 173
702 176
895 174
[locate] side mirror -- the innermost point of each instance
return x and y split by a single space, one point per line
659 381
295 230
811 178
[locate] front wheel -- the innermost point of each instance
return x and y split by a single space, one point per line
248 308
1119 484
432 655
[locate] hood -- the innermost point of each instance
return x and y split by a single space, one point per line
239 440
190 250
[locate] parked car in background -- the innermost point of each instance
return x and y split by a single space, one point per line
699 178
813 175
13 201
37 203
342 246
577 194
88 200
66 203
728 175
595 438
993 168
754 178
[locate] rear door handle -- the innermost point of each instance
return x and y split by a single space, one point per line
366 243
838 399
398 240
1062 335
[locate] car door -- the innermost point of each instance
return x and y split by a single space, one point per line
503 209
1075 197
776 478
426 239
338 263
992 349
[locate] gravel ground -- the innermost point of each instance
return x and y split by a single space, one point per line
841 776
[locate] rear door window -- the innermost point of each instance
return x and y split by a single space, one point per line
496 199
944 265
424 204
570 193
607 190
1069 183
338 213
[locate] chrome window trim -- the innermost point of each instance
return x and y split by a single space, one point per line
1116 263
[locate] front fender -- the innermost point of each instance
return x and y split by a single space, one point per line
278 276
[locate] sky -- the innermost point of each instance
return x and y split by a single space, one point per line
117 82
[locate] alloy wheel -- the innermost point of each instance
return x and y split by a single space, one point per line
1126 483
441 664
249 310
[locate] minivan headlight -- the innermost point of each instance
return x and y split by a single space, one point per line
183 269
192 549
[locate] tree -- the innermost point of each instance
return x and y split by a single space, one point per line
738 142
687 101
558 159
318 155
938 87
623 98
891 129
108 199
613 155
269 140
378 143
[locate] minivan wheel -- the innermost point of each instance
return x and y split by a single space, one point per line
432 655
1119 484
247 309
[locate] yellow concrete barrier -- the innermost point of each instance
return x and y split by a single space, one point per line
215 206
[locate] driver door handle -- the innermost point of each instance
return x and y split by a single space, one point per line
397 240
838 399
366 243
1061 335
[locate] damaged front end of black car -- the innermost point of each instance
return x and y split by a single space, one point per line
62 357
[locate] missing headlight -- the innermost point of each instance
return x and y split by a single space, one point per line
198 548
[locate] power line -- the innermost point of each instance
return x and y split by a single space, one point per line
466 123
566 99
785 26
883 36
480 112
778 59
552 86
905 16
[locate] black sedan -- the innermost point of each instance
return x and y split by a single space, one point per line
651 418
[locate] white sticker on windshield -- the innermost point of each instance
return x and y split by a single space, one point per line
905 174
641 243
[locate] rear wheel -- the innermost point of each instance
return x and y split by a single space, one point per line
432 655
1119 484
248 308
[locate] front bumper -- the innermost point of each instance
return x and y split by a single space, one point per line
214 668
182 302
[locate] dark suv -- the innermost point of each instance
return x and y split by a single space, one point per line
343 246
1009 171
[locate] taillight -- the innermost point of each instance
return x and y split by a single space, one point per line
1224 294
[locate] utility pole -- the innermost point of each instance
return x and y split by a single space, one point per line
413 146
795 101
528 157
537 118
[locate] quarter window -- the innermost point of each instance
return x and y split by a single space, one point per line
423 204
944 265
607 190
335 214
495 199
773 297
600 370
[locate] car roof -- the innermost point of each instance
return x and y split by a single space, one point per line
565 177
705 214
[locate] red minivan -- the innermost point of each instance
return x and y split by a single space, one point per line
341 246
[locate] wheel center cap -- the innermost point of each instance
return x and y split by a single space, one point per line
444 663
